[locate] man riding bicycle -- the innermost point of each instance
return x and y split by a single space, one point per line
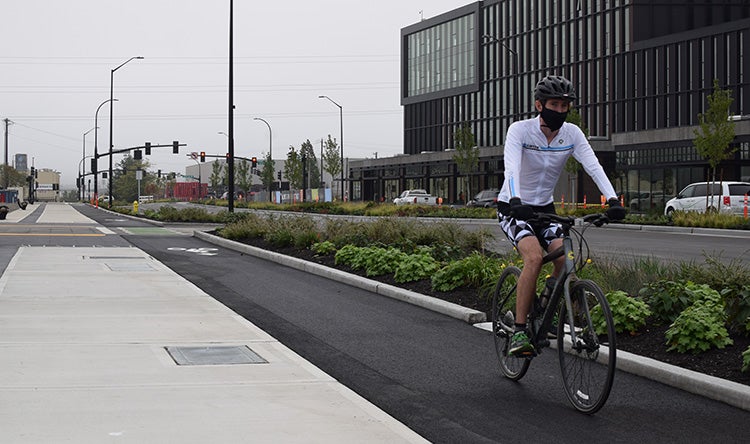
535 154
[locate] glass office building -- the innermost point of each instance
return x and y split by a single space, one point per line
642 69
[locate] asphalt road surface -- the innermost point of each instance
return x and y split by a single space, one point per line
436 374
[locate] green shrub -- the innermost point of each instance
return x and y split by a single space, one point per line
475 270
323 248
629 313
737 305
249 227
667 299
346 255
746 360
700 326
414 267
282 237
375 261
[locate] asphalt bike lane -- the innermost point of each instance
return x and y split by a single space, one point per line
436 374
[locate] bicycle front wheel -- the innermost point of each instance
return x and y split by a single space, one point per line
586 349
503 320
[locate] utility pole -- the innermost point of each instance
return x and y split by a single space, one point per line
5 170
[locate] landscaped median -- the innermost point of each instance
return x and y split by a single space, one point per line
438 305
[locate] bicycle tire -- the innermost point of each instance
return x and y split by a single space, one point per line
503 320
588 369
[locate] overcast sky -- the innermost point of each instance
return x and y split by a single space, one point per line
57 57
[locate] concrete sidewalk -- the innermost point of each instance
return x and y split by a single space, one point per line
107 344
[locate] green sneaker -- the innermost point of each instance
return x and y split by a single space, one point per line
520 345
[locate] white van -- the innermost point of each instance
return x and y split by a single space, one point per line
728 198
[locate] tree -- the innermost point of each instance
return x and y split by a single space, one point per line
313 172
13 177
466 155
716 132
217 175
332 158
125 185
267 174
293 168
242 175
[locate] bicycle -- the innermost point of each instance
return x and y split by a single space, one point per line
587 355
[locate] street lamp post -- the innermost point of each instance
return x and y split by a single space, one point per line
81 174
270 150
341 123
96 148
111 92
516 105
82 181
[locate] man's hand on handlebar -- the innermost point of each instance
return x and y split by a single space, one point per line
615 210
520 211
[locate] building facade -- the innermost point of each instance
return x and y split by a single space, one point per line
643 70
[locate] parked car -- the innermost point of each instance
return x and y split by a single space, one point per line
485 199
728 198
415 197
646 201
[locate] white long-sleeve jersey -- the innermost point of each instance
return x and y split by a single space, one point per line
533 167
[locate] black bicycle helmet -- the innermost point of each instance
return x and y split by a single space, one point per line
554 87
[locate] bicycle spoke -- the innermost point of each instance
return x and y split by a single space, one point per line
587 358
503 319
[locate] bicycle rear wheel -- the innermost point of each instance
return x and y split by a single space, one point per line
503 320
588 365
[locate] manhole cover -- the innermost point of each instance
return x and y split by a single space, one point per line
214 355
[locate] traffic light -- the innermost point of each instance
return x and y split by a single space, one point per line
148 148
175 147
255 162
203 156
137 154
158 174
278 175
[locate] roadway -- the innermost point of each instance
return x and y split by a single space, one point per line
435 374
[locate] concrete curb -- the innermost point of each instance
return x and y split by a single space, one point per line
728 392
447 308
142 219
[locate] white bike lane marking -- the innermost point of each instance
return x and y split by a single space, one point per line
203 251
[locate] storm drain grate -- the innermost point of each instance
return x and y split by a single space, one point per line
215 355
133 266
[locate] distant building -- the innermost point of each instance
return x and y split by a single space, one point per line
47 185
642 69
21 163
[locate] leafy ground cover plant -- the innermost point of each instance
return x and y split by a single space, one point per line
700 326
629 313
416 266
666 298
475 270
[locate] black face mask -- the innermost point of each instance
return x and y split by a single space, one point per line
552 119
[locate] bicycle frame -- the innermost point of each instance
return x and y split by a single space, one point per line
560 290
